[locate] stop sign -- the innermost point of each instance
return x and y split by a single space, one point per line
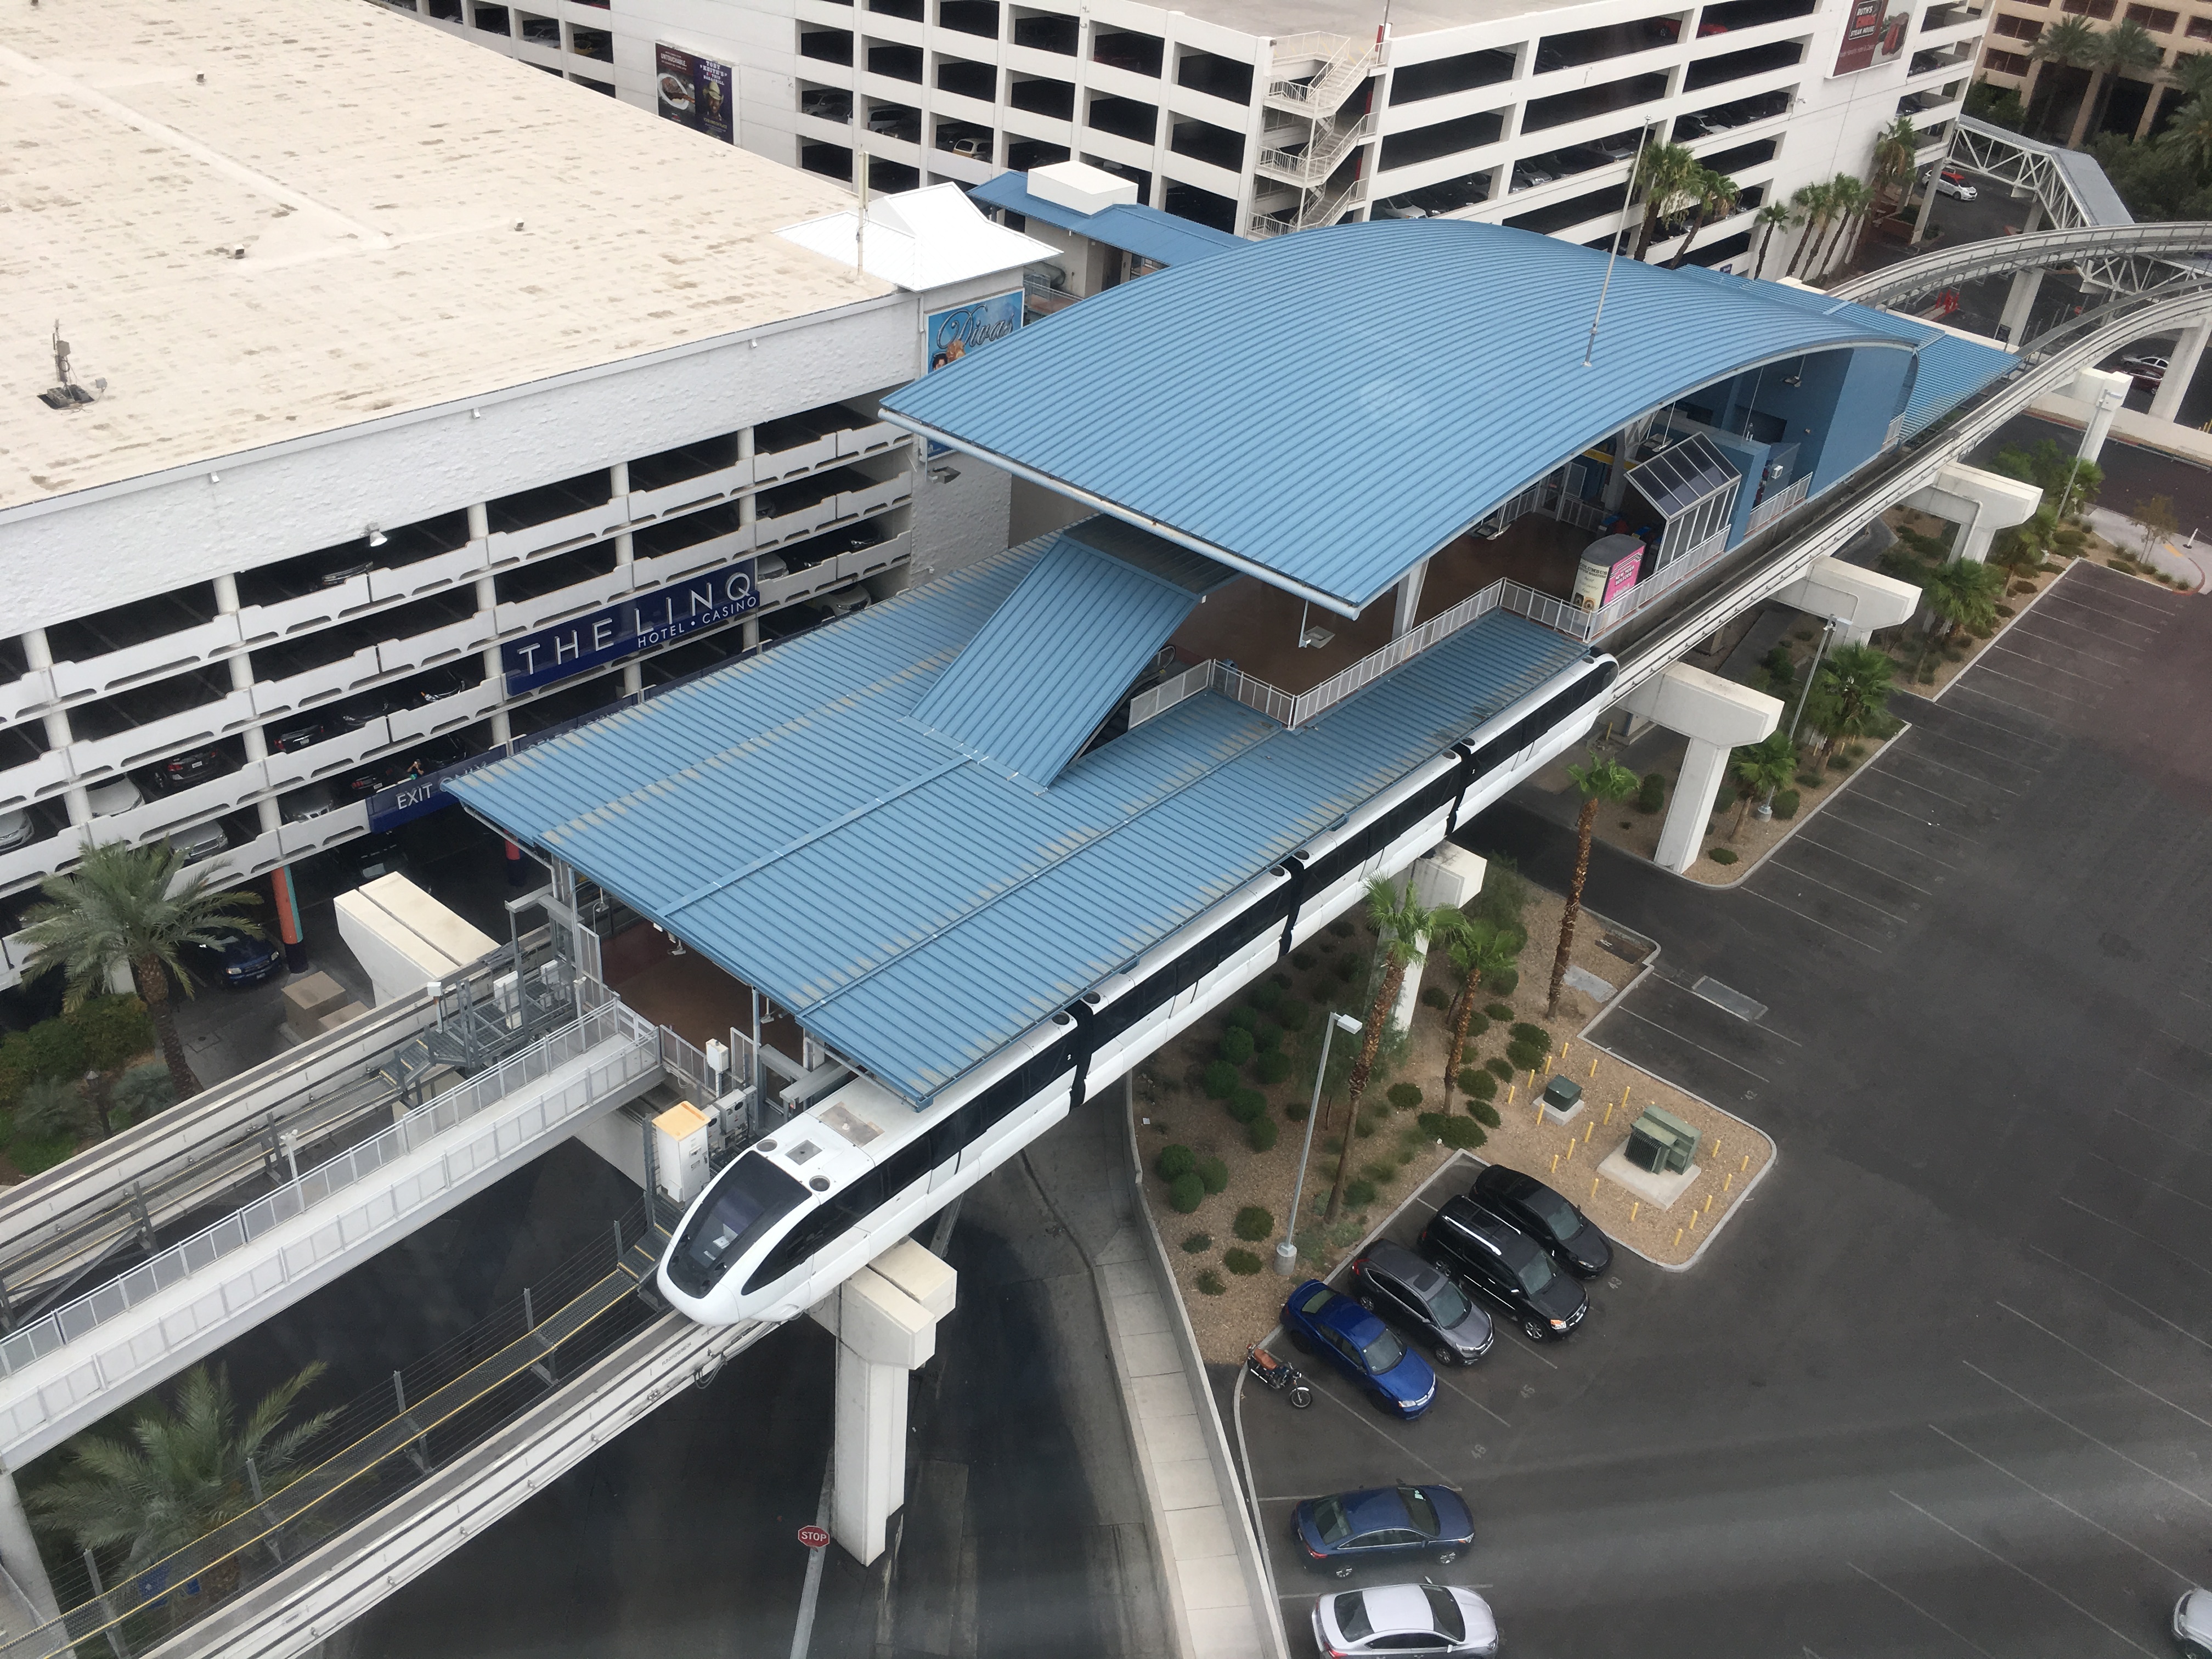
813 1537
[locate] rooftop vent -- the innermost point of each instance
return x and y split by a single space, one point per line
68 394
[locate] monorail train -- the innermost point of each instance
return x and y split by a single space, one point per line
804 1207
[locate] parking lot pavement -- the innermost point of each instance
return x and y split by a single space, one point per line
1942 1388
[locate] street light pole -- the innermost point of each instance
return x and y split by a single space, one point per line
1286 1252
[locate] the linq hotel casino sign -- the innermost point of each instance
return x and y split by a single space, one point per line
706 600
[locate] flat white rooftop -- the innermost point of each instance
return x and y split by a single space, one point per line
376 172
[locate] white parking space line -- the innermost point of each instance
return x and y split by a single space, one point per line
2043 1583
2194 1498
1999 646
2187 1582
1834 814
1876 771
1841 892
2021 737
1906 752
2096 633
1472 1401
2155 1243
1917 1608
1802 840
2080 604
2074 648
2107 1370
2187 1144
2002 702
1902 812
1954 741
1817 922
1398 1446
2139 1307
2147 1182
2042 690
1670 1031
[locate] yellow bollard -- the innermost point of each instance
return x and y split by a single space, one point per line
1508 1092
1547 1066
1593 1070
1728 1178
1746 1164
1678 1235
1633 1208
1570 1149
1717 1146
1587 1127
1709 1201
1593 1190
1555 1164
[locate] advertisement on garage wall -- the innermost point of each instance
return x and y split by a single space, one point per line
1874 35
958 330
698 92
706 600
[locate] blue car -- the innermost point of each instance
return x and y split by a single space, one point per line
1383 1526
234 960
1366 1349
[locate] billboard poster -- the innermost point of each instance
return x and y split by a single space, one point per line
695 91
955 332
706 600
1873 34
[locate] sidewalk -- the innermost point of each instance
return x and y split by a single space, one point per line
1217 1584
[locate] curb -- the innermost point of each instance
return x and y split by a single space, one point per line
1796 824
2005 627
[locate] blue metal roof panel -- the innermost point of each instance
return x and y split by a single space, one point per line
915 911
1053 661
1448 355
1160 237
1951 371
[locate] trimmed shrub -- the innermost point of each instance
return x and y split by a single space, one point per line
1254 1223
1404 1096
50 1109
1297 1110
1477 1025
1839 763
1219 1080
1198 1243
1484 1113
1652 795
1265 996
1382 1171
1236 1045
139 1092
1267 1037
1291 1014
1721 855
1437 997
1808 780
115 1029
1272 1069
1341 927
1359 1194
1504 983
1785 802
1174 1162
1500 1069
1211 1282
1262 1133
52 1047
1523 1031
1474 1081
1245 1018
1497 1011
1526 1056
1370 1121
1241 1261
1346 967
1301 959
1186 1193
1246 1104
1460 1132
1212 1174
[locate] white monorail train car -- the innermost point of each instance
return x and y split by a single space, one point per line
806 1206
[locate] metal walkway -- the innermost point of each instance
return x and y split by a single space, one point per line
2150 251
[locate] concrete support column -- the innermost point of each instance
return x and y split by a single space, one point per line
2180 370
1450 875
1980 503
632 679
38 654
1927 195
1716 715
289 933
479 521
2019 300
19 1552
1409 598
2110 400
618 483
488 608
1857 601
885 1318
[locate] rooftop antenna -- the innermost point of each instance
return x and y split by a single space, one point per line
1589 350
61 358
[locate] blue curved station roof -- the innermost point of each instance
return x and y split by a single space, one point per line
1327 408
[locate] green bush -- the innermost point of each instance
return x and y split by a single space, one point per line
1211 1282
1302 960
1785 802
1341 927
1267 1037
1504 983
1254 1223
1500 1069
1346 967
51 1108
1297 1110
52 1047
1404 1096
1477 1025
1480 1084
1245 1018
1497 1011
1291 1014
1523 1031
1808 780
1236 1045
1381 1171
1219 1080
1262 1133
1370 1121
1839 763
1526 1056
1186 1193
1485 1113
139 1092
1198 1243
1213 1174
1721 855
1241 1261
1173 1162
1460 1132
1266 996
1272 1069
1437 997
1359 1194
1652 794
1246 1104
115 1030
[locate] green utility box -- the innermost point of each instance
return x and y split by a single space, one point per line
1563 1094
1661 1143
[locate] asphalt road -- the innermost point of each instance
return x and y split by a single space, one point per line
1940 1389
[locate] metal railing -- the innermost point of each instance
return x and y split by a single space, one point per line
1775 505
1408 644
1314 163
1147 704
1344 65
607 1025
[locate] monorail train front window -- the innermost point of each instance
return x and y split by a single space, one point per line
752 1196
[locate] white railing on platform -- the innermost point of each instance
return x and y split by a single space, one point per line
1376 663
1775 505
1170 692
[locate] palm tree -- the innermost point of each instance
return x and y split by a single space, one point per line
1716 195
2071 41
2191 129
127 905
1401 924
1477 950
1849 696
1601 780
1847 199
1813 203
1773 216
1896 153
182 1473
1662 181
2061 477
1762 768
2125 48
1962 595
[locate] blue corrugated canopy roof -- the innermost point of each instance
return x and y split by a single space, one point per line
1328 408
914 910
1162 238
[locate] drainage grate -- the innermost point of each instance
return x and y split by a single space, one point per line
1721 997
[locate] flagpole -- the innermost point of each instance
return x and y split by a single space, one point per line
1589 350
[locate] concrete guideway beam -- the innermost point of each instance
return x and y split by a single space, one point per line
1716 715
885 1318
1980 503
1860 601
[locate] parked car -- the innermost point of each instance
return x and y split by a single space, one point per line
1399 210
1392 1281
2192 1623
200 841
372 856
1569 1237
1496 1261
1692 126
193 766
345 573
432 687
307 730
1952 182
2151 371
1526 175
234 960
116 795
15 830
1620 148
311 802
1362 1347
1404 1619
1348 1530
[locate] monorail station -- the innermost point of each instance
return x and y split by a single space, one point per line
979 849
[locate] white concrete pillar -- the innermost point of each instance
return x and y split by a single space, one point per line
479 521
2180 370
1716 715
2110 400
885 1318
1980 503
1859 601
39 655
2019 300
19 1552
1448 878
1409 598
494 671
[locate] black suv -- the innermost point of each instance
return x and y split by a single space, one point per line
183 771
1498 1261
1391 1280
1569 1237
